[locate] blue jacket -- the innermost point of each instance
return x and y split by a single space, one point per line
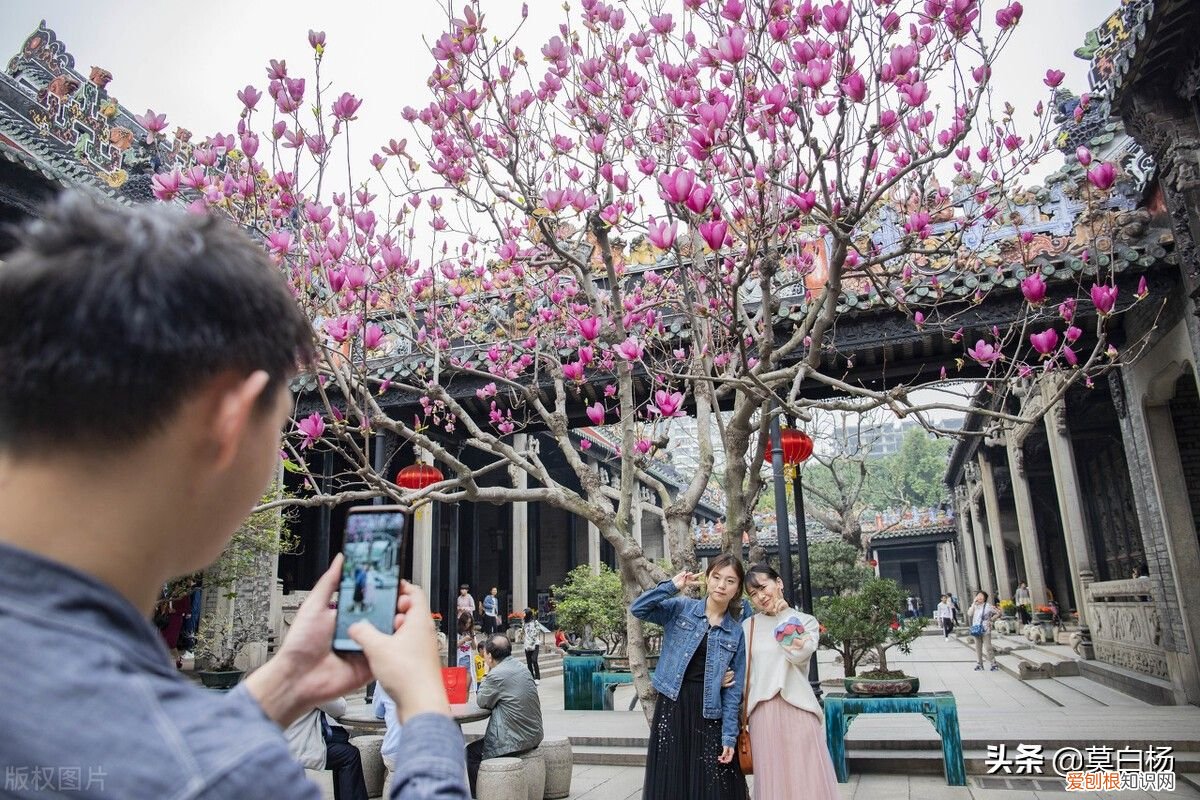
684 625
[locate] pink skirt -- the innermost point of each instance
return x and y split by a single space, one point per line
791 759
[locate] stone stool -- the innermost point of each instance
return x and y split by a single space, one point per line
535 774
501 779
372 762
559 763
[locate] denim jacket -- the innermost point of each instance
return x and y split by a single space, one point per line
684 625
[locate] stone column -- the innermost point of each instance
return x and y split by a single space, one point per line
636 510
984 567
967 535
991 502
520 533
1031 551
593 547
1074 522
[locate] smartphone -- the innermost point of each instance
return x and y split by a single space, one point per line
374 550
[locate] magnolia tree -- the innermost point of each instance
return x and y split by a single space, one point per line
648 213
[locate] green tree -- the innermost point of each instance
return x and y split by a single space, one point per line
835 567
595 601
914 475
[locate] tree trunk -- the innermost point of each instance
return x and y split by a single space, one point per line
635 648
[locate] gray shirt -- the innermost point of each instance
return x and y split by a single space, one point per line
516 722
94 708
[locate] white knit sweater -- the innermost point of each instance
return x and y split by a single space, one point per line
779 665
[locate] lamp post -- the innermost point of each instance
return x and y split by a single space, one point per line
791 448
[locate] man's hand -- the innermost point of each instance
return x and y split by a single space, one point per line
406 663
306 672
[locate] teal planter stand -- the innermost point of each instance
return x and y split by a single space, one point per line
938 707
604 686
577 681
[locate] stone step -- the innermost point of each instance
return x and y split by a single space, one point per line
609 756
1101 693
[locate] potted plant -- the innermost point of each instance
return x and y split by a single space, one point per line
1043 614
1008 609
867 621
245 563
593 606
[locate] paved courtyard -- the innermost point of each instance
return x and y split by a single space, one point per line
994 707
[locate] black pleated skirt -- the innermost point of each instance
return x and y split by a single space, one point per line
682 760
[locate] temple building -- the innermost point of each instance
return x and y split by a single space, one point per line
1097 506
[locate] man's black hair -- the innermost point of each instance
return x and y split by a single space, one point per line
499 647
110 316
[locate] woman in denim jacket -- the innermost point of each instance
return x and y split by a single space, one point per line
695 725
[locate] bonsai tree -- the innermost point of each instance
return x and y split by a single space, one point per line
242 568
867 621
592 602
836 567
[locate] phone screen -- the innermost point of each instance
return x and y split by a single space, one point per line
373 550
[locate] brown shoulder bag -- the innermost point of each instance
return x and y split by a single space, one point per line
744 756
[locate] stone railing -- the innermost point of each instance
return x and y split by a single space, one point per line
1125 626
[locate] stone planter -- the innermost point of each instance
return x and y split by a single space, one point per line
881 687
621 663
220 679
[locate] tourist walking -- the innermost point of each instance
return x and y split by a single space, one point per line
490 611
694 732
533 645
979 616
787 725
1023 601
945 616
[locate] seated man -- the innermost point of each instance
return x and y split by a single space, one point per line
515 726
317 743
146 355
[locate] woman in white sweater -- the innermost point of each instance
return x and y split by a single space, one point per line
787 726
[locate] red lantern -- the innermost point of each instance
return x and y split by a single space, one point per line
417 476
797 446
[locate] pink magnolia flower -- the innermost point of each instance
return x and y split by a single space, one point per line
1045 342
854 86
585 445
153 123
630 349
644 446
677 185
249 97
699 199
312 426
904 58
166 186
316 40
1009 15
1104 298
919 319
1054 77
1142 289
372 336
669 404
1070 356
595 413
1066 309
732 48
1083 155
714 232
346 106
984 353
1034 289
589 328
1103 176
573 371
1072 333
915 93
661 234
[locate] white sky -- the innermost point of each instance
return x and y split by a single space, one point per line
188 61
